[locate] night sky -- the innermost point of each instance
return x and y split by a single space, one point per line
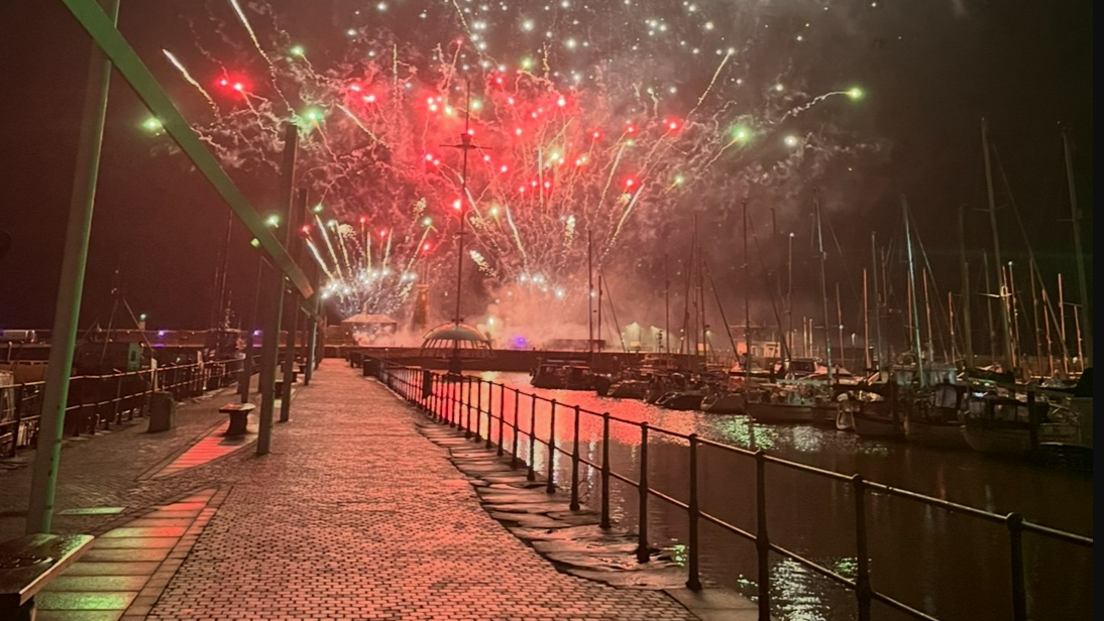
928 71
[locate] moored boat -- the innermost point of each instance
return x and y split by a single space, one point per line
682 400
628 389
793 403
998 426
935 418
724 402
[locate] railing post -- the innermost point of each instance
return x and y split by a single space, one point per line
642 487
116 413
18 400
490 413
514 453
501 419
605 523
574 506
430 393
1014 521
762 540
862 577
439 398
454 404
551 486
467 410
693 581
532 475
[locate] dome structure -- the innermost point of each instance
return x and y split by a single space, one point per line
455 340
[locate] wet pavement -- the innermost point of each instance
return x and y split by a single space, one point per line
354 515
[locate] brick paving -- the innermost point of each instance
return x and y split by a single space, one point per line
356 516
110 470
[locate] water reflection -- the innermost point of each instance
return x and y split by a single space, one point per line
946 565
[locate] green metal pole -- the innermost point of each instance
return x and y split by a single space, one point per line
274 302
312 343
291 313
40 512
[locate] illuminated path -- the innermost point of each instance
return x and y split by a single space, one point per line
355 515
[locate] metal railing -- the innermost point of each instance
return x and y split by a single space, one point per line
103 400
448 399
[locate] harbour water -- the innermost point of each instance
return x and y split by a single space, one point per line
950 566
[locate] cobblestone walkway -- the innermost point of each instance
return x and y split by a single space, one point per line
109 470
356 516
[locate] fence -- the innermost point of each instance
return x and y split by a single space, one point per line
96 400
449 399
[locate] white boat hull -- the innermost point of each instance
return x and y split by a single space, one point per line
845 420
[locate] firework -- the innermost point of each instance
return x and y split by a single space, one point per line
590 124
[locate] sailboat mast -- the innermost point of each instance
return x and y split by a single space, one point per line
839 326
1014 315
951 323
1006 355
684 338
993 347
1049 342
590 298
823 289
964 267
598 332
747 304
1062 326
720 309
927 313
1086 325
914 311
866 323
877 301
789 304
666 307
1038 364
701 306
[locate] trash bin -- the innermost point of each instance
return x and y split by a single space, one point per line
162 415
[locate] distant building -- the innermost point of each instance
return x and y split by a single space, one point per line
364 328
765 341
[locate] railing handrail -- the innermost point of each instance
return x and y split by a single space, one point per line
438 405
87 393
